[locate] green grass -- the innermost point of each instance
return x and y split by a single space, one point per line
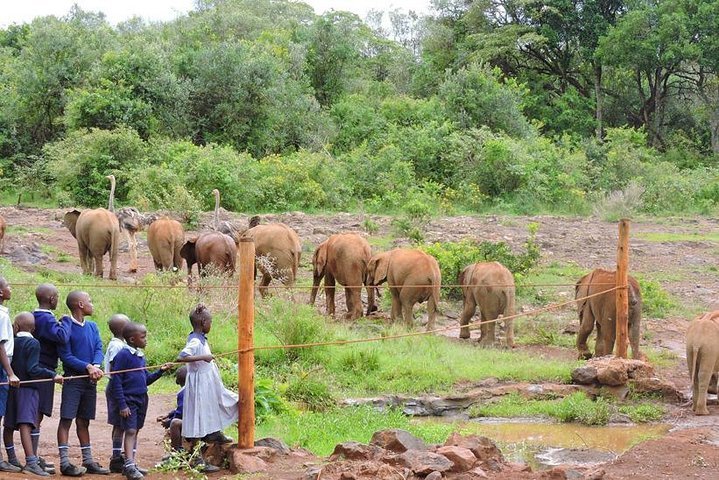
573 408
678 237
320 432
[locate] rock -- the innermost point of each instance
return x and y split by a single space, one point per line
397 440
273 443
462 458
477 472
355 451
620 392
620 418
597 474
241 463
668 390
612 375
423 463
216 453
557 473
483 448
433 476
571 328
585 375
347 476
312 473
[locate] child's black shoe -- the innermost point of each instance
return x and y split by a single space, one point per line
8 467
49 467
96 468
117 464
71 470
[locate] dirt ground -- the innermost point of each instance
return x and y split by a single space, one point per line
686 269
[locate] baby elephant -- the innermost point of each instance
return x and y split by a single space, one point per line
602 311
491 287
702 357
413 277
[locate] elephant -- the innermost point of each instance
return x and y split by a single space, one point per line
413 276
703 358
3 226
343 257
210 248
602 311
490 286
165 238
97 232
277 253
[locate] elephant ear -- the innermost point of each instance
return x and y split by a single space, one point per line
319 260
188 253
379 264
70 221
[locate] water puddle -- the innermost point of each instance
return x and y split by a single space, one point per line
542 445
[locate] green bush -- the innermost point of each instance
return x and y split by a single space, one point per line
156 187
453 257
294 324
81 161
656 302
313 393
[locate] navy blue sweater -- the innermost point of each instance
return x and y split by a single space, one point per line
25 362
50 333
129 383
84 348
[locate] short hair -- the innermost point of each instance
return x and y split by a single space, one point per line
181 375
74 298
131 329
45 290
117 323
199 314
3 281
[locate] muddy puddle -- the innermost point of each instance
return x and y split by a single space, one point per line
542 445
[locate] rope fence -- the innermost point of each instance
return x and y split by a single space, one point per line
349 342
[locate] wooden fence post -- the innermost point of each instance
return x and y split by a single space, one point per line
622 283
245 341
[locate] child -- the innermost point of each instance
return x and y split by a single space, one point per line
173 420
51 334
208 406
82 356
6 351
23 403
129 390
116 324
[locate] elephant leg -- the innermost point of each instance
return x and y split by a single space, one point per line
353 298
586 326
371 302
610 337
470 306
487 328
407 313
431 313
634 333
599 349
330 294
396 304
701 384
132 243
98 265
84 254
264 282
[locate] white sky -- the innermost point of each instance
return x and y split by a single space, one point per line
22 11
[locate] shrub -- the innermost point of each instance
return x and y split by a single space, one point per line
656 302
620 204
156 187
313 393
294 324
81 161
453 257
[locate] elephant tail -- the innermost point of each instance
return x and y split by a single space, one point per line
693 360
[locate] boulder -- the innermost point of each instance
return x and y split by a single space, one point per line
273 443
433 476
462 458
216 453
397 440
585 375
355 451
241 463
612 374
483 448
423 463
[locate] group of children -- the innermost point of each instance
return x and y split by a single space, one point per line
30 350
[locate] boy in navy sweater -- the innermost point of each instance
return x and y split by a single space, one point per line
173 420
81 356
23 403
51 333
129 389
7 343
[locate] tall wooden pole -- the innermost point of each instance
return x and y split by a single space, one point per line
622 288
245 332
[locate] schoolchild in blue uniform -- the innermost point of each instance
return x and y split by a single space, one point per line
173 420
23 410
129 391
7 343
81 356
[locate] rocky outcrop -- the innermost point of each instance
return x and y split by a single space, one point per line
622 375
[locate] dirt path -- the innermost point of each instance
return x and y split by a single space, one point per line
686 269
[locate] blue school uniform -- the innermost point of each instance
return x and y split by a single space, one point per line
51 333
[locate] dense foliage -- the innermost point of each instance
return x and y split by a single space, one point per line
518 106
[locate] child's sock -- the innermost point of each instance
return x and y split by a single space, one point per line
35 437
64 456
86 454
129 463
11 454
116 448
31 460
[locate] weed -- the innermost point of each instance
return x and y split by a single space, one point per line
370 226
313 393
645 412
656 302
187 462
